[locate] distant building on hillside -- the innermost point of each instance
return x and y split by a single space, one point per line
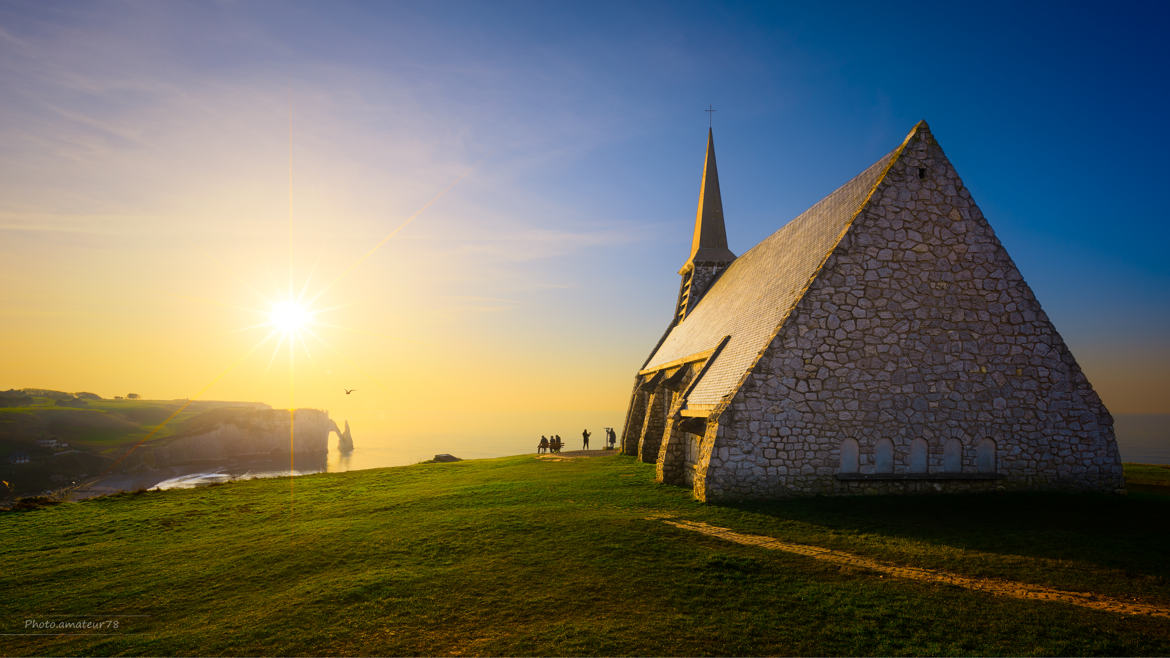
882 341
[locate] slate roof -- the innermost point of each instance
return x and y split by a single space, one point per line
757 291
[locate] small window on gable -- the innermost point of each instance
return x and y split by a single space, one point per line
849 452
883 456
922 172
918 456
985 456
953 456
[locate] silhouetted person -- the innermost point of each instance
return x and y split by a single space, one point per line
585 438
543 445
559 443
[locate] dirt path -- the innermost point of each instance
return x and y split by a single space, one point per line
989 585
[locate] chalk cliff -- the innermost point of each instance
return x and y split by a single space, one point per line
231 434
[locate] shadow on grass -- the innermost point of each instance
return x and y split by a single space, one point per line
1121 532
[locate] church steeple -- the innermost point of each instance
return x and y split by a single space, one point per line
709 252
709 244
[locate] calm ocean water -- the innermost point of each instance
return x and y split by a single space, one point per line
1143 438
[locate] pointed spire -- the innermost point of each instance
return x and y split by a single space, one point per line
709 244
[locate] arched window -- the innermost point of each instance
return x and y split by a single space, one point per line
953 456
918 452
883 456
849 456
985 456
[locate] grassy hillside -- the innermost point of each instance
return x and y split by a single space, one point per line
94 423
51 438
521 555
1148 477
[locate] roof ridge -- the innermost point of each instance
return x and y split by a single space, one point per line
865 202
897 154
775 275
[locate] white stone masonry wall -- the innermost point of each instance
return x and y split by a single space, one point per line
918 326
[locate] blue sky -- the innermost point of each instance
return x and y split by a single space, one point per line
155 133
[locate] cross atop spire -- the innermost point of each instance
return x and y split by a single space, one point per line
709 244
710 113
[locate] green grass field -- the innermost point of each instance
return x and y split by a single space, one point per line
93 435
1148 477
106 426
103 425
525 556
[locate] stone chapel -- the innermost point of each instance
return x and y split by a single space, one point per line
882 341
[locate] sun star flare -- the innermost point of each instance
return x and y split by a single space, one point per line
290 317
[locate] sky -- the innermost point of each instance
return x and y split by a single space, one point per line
486 204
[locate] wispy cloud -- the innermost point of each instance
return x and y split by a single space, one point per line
475 303
45 228
533 244
117 135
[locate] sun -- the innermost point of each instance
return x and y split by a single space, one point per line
289 318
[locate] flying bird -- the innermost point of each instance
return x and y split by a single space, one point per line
349 390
